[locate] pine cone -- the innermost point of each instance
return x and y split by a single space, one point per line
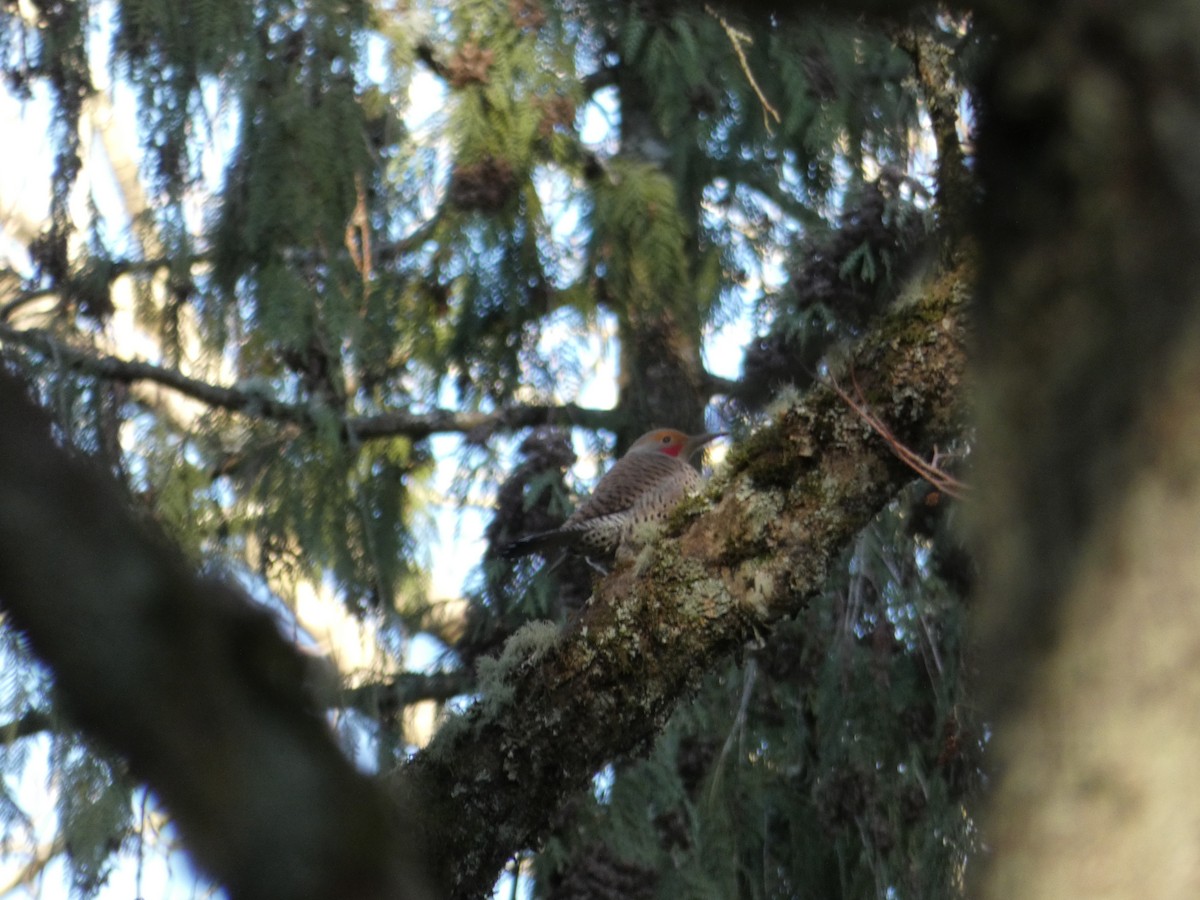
484 186
470 65
527 14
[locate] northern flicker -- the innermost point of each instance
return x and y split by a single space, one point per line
645 485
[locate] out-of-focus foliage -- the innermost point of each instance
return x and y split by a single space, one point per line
347 211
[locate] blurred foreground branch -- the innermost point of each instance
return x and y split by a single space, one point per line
188 680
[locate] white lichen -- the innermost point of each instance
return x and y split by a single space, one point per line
527 645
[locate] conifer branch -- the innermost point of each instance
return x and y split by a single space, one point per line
382 253
476 426
113 269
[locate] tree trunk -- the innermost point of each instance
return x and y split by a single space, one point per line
1089 337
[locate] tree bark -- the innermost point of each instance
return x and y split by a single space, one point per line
1089 451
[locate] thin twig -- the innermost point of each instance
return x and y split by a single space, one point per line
939 478
749 676
740 40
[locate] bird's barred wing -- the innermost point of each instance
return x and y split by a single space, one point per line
631 480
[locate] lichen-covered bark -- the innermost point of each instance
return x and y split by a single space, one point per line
755 548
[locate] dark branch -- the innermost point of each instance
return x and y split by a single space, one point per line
780 12
598 80
187 679
388 699
29 723
476 426
715 385
427 55
23 299
127 371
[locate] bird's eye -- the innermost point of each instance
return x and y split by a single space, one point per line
666 439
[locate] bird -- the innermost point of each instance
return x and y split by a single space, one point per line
644 486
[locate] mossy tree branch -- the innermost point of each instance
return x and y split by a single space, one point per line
756 548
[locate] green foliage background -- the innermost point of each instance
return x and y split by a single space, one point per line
349 262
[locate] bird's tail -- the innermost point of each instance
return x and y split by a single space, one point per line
544 543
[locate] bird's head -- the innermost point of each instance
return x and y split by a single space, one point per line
672 442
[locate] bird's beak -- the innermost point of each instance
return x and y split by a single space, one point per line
696 441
